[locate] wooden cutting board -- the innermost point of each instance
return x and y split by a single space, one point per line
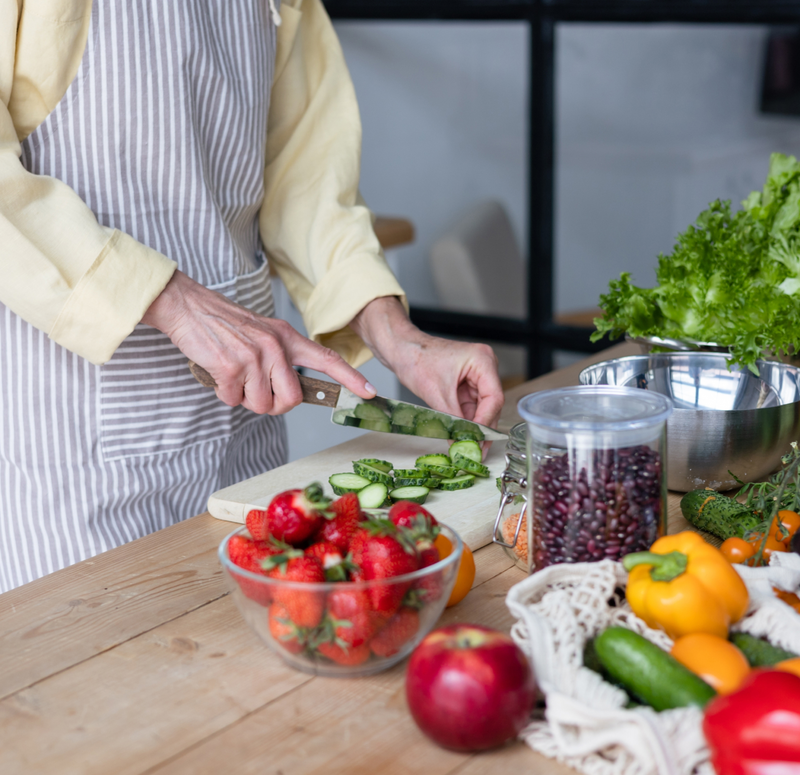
471 512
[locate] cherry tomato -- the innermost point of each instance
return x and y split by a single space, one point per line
736 550
466 569
790 520
772 545
717 661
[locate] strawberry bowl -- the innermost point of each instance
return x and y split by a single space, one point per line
342 628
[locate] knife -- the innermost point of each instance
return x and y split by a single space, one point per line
385 415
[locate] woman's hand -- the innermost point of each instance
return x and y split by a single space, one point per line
250 356
450 376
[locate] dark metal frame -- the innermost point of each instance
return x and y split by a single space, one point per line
539 334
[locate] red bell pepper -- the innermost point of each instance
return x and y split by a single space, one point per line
756 729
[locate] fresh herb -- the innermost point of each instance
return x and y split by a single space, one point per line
732 278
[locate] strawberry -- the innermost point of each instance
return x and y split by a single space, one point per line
351 620
357 543
387 552
284 630
333 562
407 514
305 609
345 655
400 629
429 586
345 523
248 554
292 516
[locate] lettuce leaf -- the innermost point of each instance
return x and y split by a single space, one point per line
732 278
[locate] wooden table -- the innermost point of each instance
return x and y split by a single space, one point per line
136 661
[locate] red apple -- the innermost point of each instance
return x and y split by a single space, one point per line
469 687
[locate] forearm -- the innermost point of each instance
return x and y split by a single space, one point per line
384 326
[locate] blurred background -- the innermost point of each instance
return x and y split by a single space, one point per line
651 122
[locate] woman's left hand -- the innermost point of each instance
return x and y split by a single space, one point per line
450 376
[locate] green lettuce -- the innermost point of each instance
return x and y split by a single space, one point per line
732 278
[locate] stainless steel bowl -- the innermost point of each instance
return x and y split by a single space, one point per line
724 420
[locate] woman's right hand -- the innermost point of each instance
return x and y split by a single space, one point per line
250 356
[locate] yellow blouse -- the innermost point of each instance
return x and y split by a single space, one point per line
87 286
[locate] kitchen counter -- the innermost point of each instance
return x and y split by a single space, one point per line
137 661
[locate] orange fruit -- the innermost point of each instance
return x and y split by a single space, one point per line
789 665
466 569
717 661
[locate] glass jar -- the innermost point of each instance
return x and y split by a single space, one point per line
511 526
596 483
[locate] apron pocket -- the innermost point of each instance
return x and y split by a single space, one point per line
149 401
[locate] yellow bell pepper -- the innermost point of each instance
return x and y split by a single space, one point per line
685 585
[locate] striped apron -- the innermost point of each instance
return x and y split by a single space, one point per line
162 133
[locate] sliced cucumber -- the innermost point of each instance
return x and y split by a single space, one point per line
412 481
432 428
384 426
343 483
470 466
373 496
445 472
426 461
465 427
432 482
457 483
415 494
373 474
408 430
409 473
370 412
404 416
381 465
468 448
466 436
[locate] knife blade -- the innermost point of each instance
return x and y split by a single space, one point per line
384 415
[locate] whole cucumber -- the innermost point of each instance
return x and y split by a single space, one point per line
759 652
717 514
648 673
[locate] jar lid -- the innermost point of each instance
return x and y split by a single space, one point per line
632 414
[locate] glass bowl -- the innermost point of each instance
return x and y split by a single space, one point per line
387 638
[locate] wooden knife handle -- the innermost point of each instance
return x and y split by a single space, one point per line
315 391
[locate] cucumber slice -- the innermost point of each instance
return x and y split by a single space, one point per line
466 436
470 466
468 448
432 428
373 496
457 483
343 483
412 481
376 425
373 474
426 461
381 465
432 483
410 473
445 472
415 494
370 412
408 430
404 415
464 429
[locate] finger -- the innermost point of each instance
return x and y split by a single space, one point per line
286 390
258 395
304 352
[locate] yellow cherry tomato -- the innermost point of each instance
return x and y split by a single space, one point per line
736 550
717 661
789 665
466 569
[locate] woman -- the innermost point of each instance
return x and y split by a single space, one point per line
156 160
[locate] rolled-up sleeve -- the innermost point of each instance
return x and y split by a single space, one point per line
84 285
315 227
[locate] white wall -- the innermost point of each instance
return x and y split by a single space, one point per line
653 122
